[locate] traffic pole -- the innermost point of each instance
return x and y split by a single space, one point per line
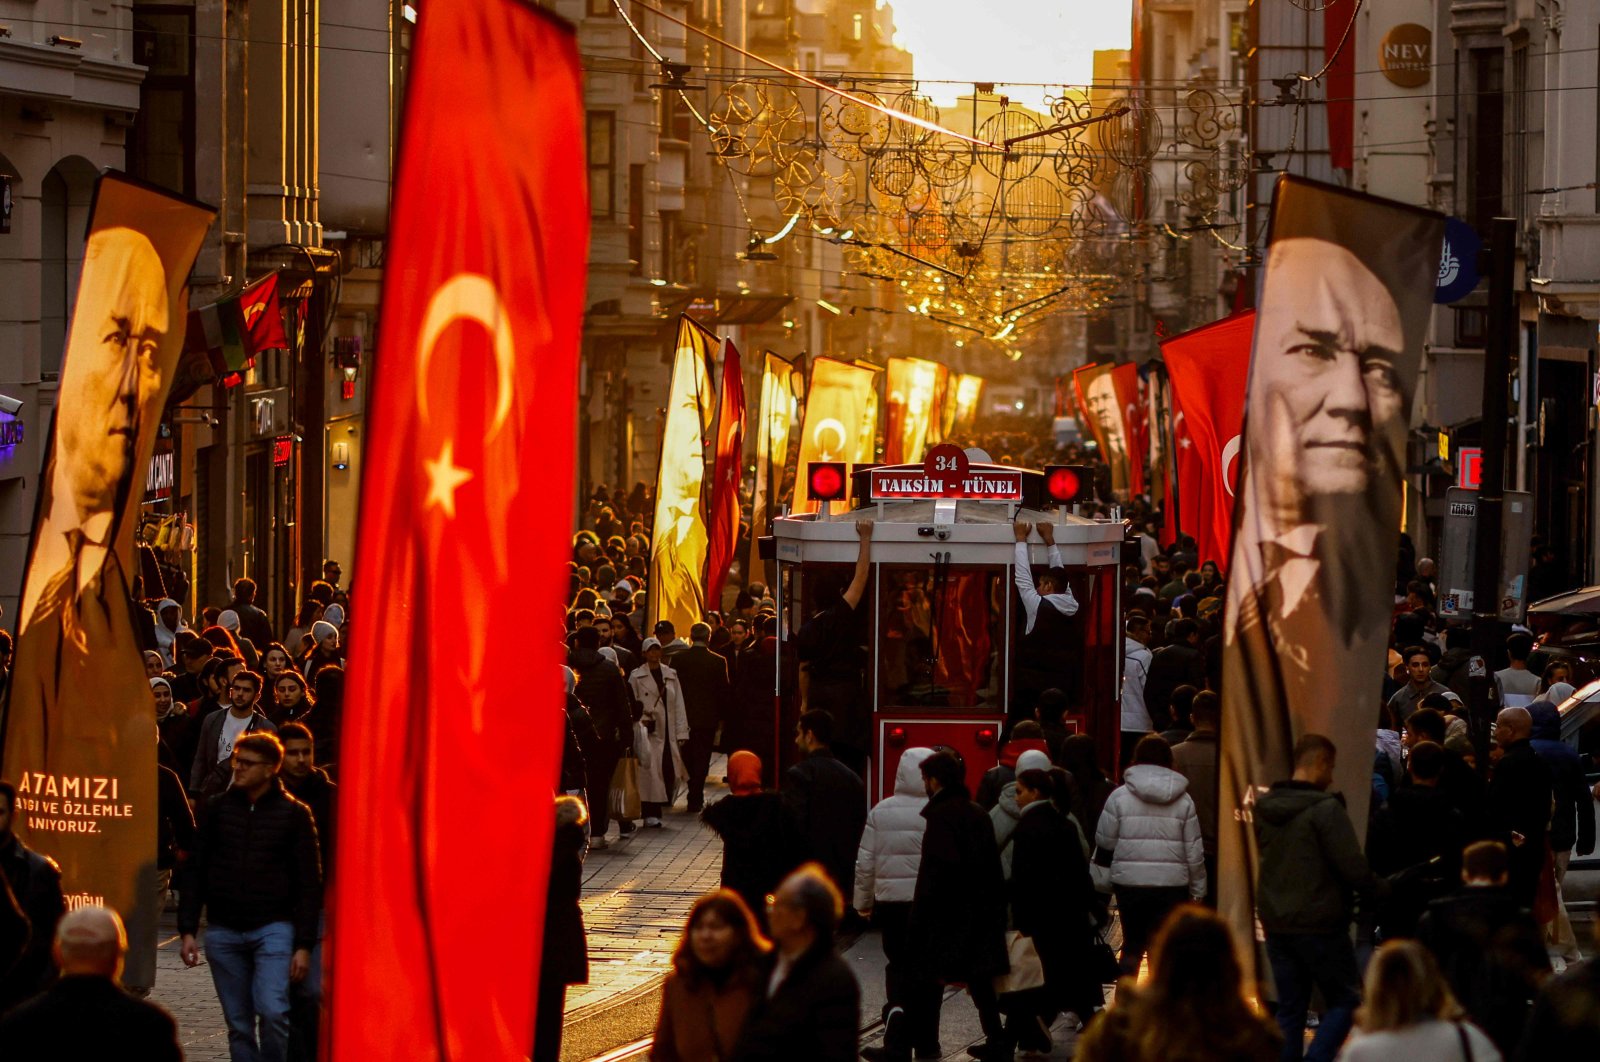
1483 699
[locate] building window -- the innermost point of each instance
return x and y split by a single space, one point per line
1487 145
855 27
601 9
636 219
160 145
1519 130
601 148
52 273
671 268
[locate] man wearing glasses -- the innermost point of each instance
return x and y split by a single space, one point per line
258 877
221 731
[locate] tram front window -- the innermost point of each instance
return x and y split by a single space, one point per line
940 636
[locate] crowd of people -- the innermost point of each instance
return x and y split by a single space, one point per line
248 727
1439 920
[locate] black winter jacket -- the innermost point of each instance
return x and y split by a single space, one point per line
257 864
35 881
813 1017
604 691
319 793
760 844
829 804
958 912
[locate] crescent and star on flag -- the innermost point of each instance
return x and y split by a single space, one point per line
468 297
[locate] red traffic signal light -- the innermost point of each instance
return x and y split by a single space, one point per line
1065 484
825 480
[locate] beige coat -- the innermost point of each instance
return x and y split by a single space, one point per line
672 727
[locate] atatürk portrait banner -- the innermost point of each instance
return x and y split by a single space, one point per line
80 725
1338 339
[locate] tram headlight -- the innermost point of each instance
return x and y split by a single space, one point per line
825 480
1068 484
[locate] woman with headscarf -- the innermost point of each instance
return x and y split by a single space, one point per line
169 621
760 839
180 732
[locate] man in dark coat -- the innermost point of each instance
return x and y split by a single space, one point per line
1488 946
604 691
703 676
1180 663
752 723
566 948
253 623
1520 796
35 881
828 799
958 911
811 1009
86 1014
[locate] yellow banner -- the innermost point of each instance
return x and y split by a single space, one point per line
968 392
914 387
80 727
678 543
780 383
841 422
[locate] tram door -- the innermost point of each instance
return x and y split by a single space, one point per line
939 675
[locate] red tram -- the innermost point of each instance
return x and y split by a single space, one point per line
942 617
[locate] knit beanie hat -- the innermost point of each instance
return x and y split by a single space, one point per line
1033 760
321 629
744 773
228 620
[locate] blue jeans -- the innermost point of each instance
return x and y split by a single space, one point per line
251 971
1326 961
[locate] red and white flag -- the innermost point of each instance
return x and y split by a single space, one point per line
724 530
452 728
1209 367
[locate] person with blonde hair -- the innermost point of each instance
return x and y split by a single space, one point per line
1410 1013
1193 1006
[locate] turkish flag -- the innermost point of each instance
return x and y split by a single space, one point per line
262 316
1125 378
1209 368
724 530
453 715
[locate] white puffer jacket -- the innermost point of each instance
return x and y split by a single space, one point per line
1150 828
891 845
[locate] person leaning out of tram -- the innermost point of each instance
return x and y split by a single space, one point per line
1044 658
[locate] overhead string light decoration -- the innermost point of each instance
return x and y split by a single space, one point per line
989 226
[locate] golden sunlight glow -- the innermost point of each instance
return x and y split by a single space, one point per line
1050 41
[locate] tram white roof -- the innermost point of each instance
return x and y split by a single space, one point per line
976 532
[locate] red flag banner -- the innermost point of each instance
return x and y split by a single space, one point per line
262 316
724 530
1209 366
1130 409
1346 297
452 745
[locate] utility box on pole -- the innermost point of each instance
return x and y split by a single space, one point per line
1459 552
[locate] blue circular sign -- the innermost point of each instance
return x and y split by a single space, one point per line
1458 262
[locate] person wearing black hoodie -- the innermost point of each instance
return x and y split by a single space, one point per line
1179 663
310 785
602 688
565 959
1416 841
1310 862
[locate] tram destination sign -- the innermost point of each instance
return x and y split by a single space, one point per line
906 484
